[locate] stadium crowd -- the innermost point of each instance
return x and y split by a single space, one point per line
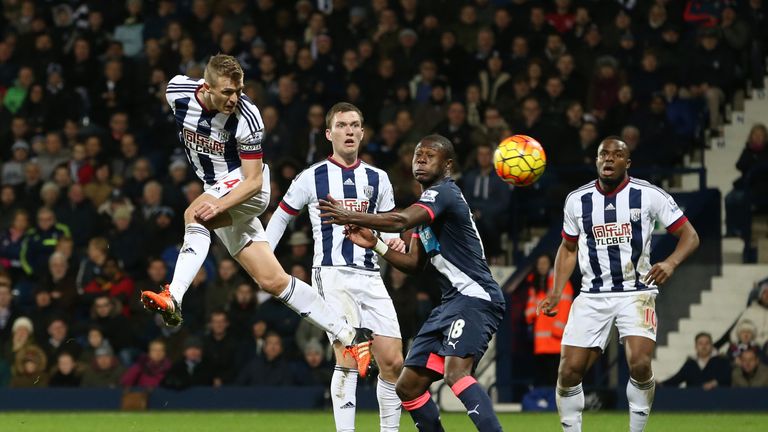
94 180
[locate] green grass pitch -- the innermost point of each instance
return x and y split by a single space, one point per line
310 421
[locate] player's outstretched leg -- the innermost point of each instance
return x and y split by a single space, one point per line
413 390
388 352
194 250
479 405
641 387
259 261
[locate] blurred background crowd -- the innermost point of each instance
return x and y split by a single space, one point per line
94 181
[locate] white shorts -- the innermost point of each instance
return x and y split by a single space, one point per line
360 295
589 323
246 226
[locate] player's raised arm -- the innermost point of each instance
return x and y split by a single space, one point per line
331 211
409 262
565 262
687 243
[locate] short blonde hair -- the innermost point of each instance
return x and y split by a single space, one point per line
222 65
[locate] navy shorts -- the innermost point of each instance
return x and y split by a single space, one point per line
460 327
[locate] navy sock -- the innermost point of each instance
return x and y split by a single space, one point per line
424 413
478 404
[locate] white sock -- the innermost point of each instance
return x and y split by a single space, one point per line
389 406
570 404
640 397
344 398
305 301
197 240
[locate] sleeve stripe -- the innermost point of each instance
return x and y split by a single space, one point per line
251 155
429 210
415 235
248 119
246 110
569 237
288 209
182 86
674 226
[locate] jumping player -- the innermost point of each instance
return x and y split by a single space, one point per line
347 275
222 131
453 339
608 225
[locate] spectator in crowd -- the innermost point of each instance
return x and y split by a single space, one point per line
40 241
710 75
93 339
60 280
8 205
220 292
58 341
745 332
114 326
757 314
707 370
219 348
299 253
750 372
104 371
8 312
192 370
65 373
91 265
751 185
241 310
100 188
77 213
30 368
312 369
114 283
150 369
547 331
271 369
13 170
12 241
488 197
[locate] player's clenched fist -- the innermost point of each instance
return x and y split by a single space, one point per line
207 210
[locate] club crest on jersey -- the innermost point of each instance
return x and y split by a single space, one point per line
635 214
429 195
223 136
612 233
368 191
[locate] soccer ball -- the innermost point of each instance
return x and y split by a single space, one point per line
520 160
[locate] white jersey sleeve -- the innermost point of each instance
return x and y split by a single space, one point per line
180 86
386 195
386 202
250 129
570 221
666 211
299 194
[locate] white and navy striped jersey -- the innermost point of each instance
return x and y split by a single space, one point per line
360 187
614 230
214 142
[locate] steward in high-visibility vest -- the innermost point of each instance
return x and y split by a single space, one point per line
547 331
